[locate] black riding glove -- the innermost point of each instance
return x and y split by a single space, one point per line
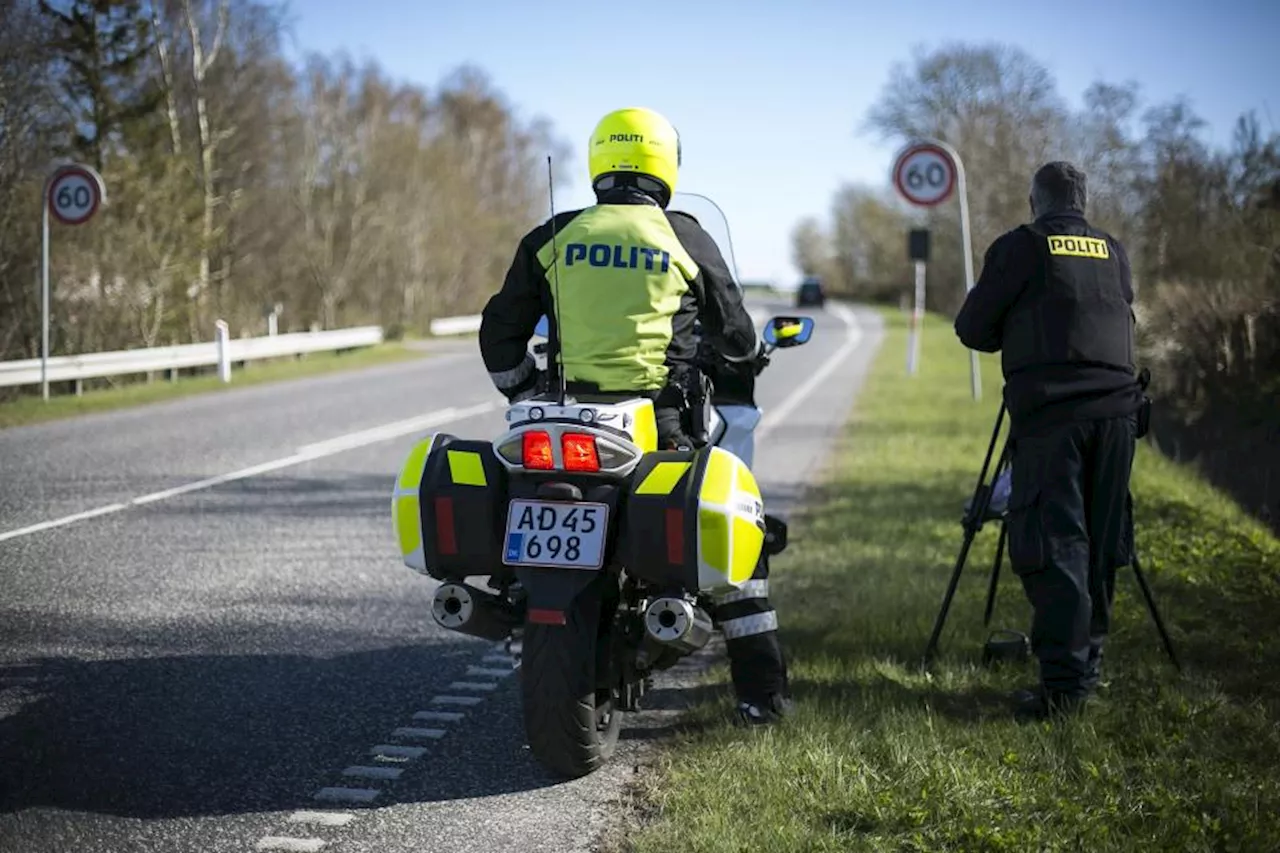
761 361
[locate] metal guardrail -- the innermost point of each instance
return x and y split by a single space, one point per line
99 365
456 325
102 364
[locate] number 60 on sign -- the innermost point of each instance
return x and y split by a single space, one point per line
75 194
925 174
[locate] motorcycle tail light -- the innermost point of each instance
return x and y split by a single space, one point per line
536 451
579 452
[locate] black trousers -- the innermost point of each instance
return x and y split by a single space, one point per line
750 626
1070 528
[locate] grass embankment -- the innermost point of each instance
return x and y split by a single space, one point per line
884 756
29 409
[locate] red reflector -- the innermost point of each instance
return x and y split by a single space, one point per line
536 451
546 617
446 539
579 452
675 536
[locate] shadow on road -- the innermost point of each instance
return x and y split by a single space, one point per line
175 736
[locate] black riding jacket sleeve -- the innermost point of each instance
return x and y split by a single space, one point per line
725 321
511 315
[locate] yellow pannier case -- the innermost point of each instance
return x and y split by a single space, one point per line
693 520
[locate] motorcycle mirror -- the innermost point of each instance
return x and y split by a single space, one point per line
543 329
782 332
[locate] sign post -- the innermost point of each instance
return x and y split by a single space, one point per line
926 173
73 193
918 251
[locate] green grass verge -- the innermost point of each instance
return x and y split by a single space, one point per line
882 756
32 409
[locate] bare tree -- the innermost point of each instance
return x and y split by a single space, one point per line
27 134
238 180
1202 227
811 248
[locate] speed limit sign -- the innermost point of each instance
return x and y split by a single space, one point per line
925 174
75 194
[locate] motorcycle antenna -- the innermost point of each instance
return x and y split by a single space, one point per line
561 383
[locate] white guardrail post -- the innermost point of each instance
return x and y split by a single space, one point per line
224 350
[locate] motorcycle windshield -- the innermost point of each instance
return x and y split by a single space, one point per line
712 220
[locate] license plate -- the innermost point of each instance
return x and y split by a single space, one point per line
554 534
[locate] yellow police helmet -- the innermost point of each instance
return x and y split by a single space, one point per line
788 330
638 141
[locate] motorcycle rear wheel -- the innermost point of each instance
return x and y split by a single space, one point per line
571 726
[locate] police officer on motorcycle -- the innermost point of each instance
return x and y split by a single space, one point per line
1055 299
633 280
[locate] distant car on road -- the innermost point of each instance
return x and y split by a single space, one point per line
810 293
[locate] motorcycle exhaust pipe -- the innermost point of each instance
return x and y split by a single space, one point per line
677 623
472 611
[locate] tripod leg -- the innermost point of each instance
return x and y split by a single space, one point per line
1155 614
978 506
932 648
995 576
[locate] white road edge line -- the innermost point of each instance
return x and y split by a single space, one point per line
293 845
853 336
307 453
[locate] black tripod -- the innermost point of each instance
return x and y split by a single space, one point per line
977 513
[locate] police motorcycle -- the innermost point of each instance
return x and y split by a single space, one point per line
600 555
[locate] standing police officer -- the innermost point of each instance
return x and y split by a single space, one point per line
1055 299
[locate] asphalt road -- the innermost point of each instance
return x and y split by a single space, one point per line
208 643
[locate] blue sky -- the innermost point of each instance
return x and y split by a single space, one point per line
769 97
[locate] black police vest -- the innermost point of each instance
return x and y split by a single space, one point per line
1073 311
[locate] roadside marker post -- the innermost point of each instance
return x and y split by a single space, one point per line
72 193
926 173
